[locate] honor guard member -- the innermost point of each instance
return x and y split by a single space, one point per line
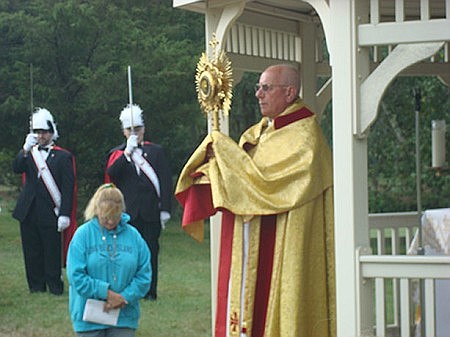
46 206
141 171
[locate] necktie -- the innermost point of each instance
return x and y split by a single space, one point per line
43 148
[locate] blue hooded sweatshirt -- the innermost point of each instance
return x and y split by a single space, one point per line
99 259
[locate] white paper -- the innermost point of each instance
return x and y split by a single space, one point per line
93 312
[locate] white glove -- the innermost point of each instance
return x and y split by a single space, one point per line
63 222
30 141
164 217
132 143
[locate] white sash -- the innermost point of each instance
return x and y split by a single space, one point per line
47 178
147 169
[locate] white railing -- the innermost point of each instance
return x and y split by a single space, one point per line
265 42
392 228
406 13
407 276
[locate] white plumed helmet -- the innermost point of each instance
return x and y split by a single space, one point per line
129 120
42 119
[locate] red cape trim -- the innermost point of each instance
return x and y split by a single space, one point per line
112 158
70 231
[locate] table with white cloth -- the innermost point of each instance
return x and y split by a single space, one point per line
435 224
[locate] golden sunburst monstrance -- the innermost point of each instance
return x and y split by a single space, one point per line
214 83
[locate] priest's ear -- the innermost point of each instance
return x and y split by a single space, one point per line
291 94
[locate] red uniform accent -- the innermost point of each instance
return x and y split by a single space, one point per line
70 231
111 160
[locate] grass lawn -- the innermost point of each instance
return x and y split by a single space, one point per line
183 307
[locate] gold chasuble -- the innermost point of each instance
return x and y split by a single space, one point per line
276 273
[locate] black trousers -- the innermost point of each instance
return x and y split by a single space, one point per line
41 245
150 231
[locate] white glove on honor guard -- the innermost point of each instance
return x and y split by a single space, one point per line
132 143
63 222
164 216
30 141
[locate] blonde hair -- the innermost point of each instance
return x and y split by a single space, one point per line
108 199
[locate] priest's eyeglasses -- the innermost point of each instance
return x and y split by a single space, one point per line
268 87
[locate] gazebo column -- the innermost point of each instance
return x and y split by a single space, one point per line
350 65
308 71
218 20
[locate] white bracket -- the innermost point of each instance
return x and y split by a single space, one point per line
374 86
220 19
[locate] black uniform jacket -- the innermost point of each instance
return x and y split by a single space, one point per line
140 195
62 166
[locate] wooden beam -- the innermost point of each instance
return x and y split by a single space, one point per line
404 32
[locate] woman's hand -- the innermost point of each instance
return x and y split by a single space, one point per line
114 301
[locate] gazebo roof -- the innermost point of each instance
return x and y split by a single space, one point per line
369 42
294 9
412 36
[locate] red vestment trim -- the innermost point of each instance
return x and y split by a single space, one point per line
283 121
226 243
264 273
292 117
196 202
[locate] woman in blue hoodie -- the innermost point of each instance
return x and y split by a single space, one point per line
108 260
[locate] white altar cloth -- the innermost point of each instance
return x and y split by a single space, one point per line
435 224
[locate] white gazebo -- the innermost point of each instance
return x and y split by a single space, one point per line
369 42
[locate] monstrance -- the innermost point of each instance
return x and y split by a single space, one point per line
214 84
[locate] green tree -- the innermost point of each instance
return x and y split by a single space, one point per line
391 145
80 51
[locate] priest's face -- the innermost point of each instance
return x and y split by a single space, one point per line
273 91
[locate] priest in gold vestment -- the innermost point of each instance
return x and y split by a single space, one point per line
275 192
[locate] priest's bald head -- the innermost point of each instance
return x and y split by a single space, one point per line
278 87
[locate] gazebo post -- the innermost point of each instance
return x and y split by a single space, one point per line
350 65
218 21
